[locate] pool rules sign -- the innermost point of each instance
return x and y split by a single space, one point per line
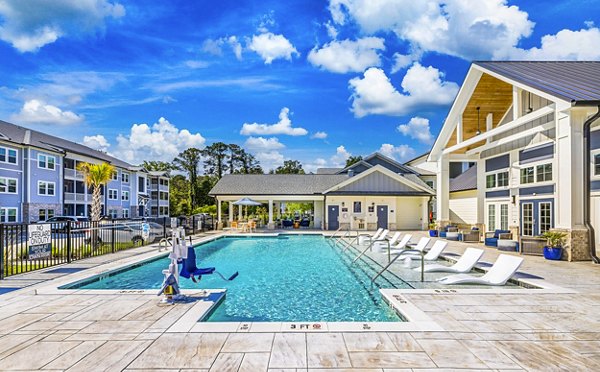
39 241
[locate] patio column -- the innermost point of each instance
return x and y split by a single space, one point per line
230 214
239 212
443 191
219 221
271 225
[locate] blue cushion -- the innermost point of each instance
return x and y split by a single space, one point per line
491 242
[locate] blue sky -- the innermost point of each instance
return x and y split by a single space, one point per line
313 81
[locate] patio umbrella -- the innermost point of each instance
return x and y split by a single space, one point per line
246 202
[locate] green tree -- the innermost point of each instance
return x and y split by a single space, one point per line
215 159
352 160
206 183
179 196
249 164
234 157
96 176
153 165
189 161
290 167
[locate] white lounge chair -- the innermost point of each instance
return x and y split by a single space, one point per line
432 255
503 269
401 246
464 264
381 236
380 245
395 238
369 237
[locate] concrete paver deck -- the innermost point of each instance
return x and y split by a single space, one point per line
520 330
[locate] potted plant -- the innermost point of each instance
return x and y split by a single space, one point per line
555 240
432 230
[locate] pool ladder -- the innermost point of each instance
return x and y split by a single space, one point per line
390 262
167 242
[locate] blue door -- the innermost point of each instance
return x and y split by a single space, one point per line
537 216
333 212
382 216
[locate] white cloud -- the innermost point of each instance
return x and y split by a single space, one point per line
347 55
235 46
401 61
312 165
417 128
262 144
319 135
400 153
283 126
29 25
269 159
215 46
271 47
39 112
466 29
161 141
331 30
423 87
196 64
579 45
339 159
97 142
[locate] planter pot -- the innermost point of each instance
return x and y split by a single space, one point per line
552 253
433 233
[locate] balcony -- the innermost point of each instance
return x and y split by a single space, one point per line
72 173
71 197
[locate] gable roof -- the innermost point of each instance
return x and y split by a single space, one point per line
465 181
25 136
372 159
411 180
275 184
575 82
355 165
328 170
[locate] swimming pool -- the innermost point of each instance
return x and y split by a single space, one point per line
281 279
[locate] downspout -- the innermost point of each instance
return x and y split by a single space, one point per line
587 145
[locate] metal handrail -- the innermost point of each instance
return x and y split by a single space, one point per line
167 242
349 244
336 231
371 245
394 260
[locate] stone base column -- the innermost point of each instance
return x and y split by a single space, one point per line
577 246
442 223
516 235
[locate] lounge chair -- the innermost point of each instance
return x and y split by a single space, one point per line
503 269
464 264
304 222
395 238
369 237
401 246
432 255
380 245
287 223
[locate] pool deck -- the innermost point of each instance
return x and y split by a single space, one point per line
514 329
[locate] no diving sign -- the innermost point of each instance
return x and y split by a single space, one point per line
39 241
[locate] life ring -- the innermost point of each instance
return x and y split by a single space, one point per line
345 216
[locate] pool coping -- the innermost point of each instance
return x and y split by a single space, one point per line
416 319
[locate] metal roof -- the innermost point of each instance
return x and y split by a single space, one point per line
577 82
25 136
276 184
467 180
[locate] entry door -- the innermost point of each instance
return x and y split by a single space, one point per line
141 211
382 216
333 213
537 216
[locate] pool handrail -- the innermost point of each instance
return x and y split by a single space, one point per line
422 253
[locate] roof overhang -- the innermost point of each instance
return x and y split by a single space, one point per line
381 169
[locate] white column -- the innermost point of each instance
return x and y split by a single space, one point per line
516 103
481 191
271 225
425 213
239 212
443 189
218 211
489 124
230 214
459 130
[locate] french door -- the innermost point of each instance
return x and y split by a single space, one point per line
537 216
497 216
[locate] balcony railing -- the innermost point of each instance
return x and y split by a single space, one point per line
72 173
76 197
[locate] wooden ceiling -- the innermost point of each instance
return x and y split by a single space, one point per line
492 96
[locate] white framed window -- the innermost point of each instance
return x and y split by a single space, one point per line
504 216
125 213
545 216
124 195
142 184
113 213
46 162
527 218
357 207
115 176
8 185
497 216
8 155
125 177
8 214
113 194
536 173
46 188
496 180
527 175
492 217
44 214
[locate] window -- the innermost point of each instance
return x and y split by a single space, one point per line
141 184
45 188
491 217
8 214
596 165
544 172
504 216
429 183
125 195
502 178
113 213
125 177
357 207
527 175
496 180
8 185
8 155
45 214
125 213
46 161
545 217
115 176
490 181
113 194
527 218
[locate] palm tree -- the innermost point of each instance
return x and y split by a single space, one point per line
96 176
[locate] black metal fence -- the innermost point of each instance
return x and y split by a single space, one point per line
70 241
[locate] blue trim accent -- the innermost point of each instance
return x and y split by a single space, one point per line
548 189
537 153
497 194
496 163
536 212
595 139
595 185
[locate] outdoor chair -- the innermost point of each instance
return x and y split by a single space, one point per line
464 264
472 235
503 269
432 255
287 223
491 238
305 223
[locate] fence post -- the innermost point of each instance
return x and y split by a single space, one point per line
164 227
194 225
1 251
112 231
69 237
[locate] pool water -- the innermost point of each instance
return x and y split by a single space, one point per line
290 278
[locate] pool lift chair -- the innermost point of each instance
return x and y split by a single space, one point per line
185 255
